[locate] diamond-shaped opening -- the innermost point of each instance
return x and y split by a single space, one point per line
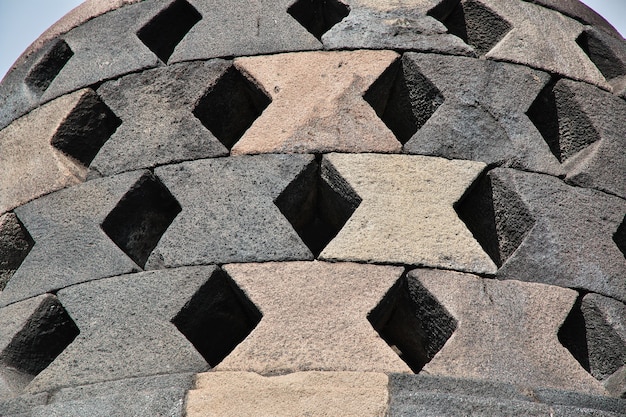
85 129
403 98
318 203
412 322
230 106
217 318
496 216
48 331
15 244
168 28
562 123
601 54
475 23
619 237
141 217
318 16
45 71
573 335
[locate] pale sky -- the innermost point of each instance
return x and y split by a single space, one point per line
22 21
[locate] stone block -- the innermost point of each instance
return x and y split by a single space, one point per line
15 243
156 108
482 115
126 330
228 211
70 245
393 25
539 229
315 317
506 332
22 405
64 135
317 103
298 394
407 212
106 47
251 28
608 53
157 396
579 11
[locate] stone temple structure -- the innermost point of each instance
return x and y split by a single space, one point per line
315 208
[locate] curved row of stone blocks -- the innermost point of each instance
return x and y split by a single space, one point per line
308 202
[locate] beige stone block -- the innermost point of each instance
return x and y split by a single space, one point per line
313 394
407 212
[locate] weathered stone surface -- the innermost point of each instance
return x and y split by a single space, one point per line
32 334
579 11
608 53
228 211
483 116
426 395
407 214
161 395
315 317
22 405
40 166
70 246
616 383
251 28
317 103
542 230
158 124
506 331
15 243
605 325
590 137
106 47
396 25
534 31
126 329
298 394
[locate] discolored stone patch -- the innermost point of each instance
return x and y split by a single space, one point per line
507 332
301 393
317 103
315 317
407 212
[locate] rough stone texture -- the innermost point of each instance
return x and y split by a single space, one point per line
66 226
605 325
15 243
580 12
591 128
228 211
608 53
125 329
317 103
398 25
483 116
425 395
315 317
149 396
535 31
406 214
251 28
22 405
41 167
106 47
562 235
298 394
158 124
506 331
616 383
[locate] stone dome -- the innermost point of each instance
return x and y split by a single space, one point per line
315 207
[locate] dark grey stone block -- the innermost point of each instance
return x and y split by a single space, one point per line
608 52
540 229
605 324
162 395
156 108
106 47
483 111
126 330
251 28
228 211
372 25
70 246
